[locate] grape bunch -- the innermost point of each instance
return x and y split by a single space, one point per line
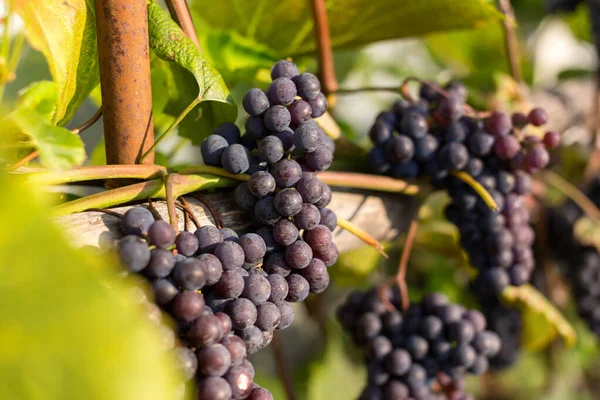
437 137
178 266
582 262
435 341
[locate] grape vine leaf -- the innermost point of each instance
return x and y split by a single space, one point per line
205 84
30 125
65 32
71 328
532 302
587 231
287 27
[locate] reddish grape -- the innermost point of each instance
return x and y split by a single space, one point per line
538 117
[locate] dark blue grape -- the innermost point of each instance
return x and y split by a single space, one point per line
136 221
308 85
284 69
255 102
212 148
277 118
236 159
134 253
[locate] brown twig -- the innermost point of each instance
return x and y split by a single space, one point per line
153 210
170 198
107 211
213 211
367 181
188 210
180 12
383 294
282 367
29 157
402 267
510 40
186 216
326 68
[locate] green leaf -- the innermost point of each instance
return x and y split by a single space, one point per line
587 232
71 328
287 27
40 96
530 300
205 84
65 31
59 148
335 371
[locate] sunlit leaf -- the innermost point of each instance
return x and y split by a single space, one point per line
587 232
65 31
529 299
287 27
204 83
70 326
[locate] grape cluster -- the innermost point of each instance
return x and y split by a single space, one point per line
582 262
178 266
435 137
435 341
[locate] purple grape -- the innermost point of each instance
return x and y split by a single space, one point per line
212 148
308 85
161 234
537 117
506 147
298 288
261 184
286 173
136 221
255 102
318 105
300 112
230 285
298 254
288 202
254 247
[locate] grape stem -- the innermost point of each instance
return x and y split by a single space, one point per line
29 157
101 172
362 235
326 68
476 186
403 266
282 367
213 211
207 169
170 198
180 12
573 193
188 212
366 181
171 127
510 39
142 191
107 211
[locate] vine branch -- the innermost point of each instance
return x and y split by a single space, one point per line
366 181
326 68
170 198
510 40
180 12
282 367
403 266
362 235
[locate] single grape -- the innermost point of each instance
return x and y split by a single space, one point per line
287 139
257 288
425 147
213 360
285 232
230 254
277 118
188 362
329 256
320 159
188 305
230 285
298 254
308 85
537 117
284 69
279 288
255 102
241 382
235 159
259 393
377 160
536 158
282 91
242 313
189 274
136 221
205 330
254 247
243 197
318 238
398 362
270 149
318 105
253 338
454 156
552 139
268 316
164 291
213 388
287 314
381 132
310 188
480 143
298 288
265 211
134 253
286 173
400 148
519 120
506 147
288 202
300 112
498 124
261 184
161 263
236 348
161 234
306 137
308 218
208 238
328 218
316 275
186 243
414 125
